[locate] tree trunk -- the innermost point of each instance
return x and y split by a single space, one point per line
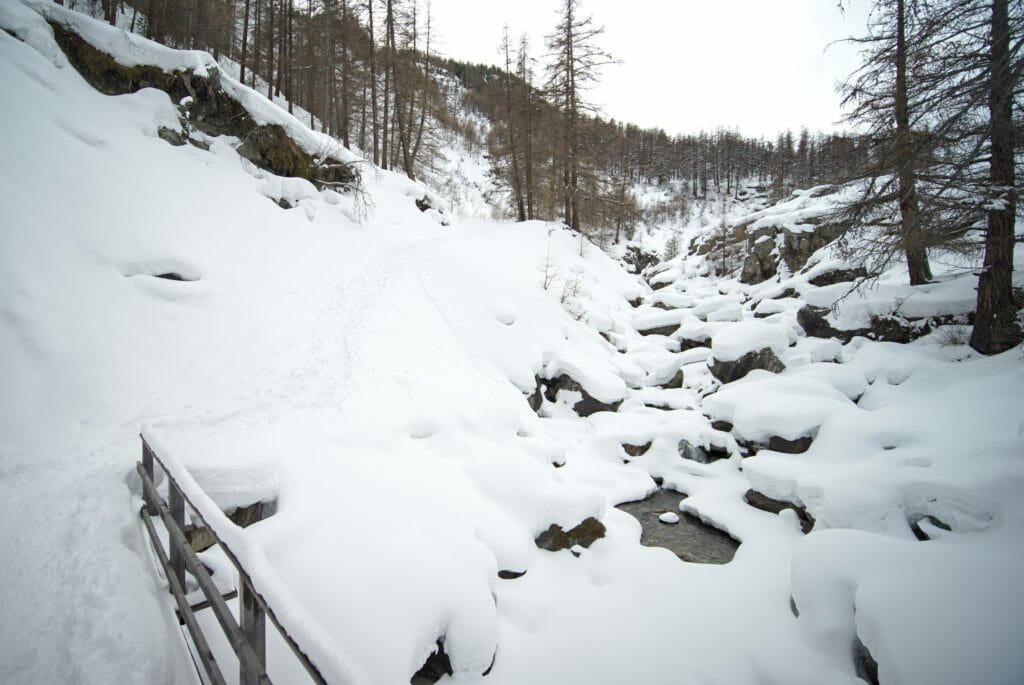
910 215
270 50
373 85
245 41
995 323
399 114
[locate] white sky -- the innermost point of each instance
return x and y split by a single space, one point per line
759 65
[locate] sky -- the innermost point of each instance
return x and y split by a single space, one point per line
757 65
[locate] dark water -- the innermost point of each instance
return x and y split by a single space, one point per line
690 539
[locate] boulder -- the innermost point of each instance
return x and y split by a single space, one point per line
585 534
636 450
584 407
833 276
729 371
774 506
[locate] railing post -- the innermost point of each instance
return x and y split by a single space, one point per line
176 505
254 626
147 464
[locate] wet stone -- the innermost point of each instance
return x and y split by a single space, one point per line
690 539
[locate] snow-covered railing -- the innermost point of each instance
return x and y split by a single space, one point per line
247 635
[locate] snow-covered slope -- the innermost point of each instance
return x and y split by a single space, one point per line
372 370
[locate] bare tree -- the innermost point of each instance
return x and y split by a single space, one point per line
574 62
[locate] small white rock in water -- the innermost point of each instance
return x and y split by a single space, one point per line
669 517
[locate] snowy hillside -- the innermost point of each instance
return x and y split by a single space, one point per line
421 395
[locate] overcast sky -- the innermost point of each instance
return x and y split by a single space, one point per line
759 65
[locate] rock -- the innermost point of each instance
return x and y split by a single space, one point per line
812 320
201 538
171 136
751 273
660 330
511 575
833 276
883 328
688 450
774 506
692 343
536 399
211 110
915 525
585 534
762 261
438 664
638 260
587 405
636 450
798 446
675 382
729 371
865 664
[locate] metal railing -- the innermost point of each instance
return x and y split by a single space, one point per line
247 635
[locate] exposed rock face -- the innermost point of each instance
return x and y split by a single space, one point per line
729 371
798 246
211 110
638 260
761 262
765 503
585 534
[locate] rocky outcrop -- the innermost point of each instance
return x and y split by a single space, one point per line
729 371
585 534
208 108
765 250
761 262
637 259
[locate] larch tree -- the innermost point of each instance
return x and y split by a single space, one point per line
880 103
996 327
574 61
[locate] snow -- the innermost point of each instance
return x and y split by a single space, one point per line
365 368
731 342
669 517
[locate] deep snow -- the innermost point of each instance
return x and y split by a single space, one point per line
369 366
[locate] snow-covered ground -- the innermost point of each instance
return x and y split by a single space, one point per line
370 366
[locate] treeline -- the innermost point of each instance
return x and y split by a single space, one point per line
364 71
